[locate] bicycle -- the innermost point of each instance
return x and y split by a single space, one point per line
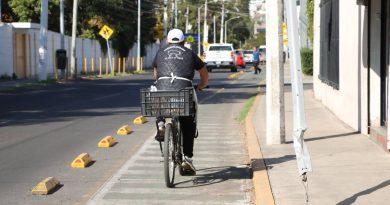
170 105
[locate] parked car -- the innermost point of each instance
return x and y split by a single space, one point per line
240 62
263 52
220 55
248 56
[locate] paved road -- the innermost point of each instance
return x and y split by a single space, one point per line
42 131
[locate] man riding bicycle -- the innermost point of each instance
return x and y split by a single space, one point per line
174 69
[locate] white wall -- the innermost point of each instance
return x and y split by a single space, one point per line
85 48
342 102
6 49
151 51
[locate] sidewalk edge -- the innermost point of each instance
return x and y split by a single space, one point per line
262 187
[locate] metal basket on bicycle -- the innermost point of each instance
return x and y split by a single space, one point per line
167 103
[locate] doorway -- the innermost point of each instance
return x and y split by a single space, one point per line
20 55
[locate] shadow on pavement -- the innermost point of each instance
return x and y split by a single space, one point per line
214 175
327 137
279 160
353 198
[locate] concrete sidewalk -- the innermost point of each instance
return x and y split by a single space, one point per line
348 168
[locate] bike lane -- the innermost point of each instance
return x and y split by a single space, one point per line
220 156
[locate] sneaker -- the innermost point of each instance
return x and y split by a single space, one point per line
159 136
187 167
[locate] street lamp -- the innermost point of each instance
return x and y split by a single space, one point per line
226 25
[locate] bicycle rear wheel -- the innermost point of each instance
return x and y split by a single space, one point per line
169 156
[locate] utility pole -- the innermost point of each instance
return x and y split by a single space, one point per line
0 12
226 26
205 30
62 38
175 13
172 14
215 35
222 21
187 13
199 31
165 18
73 66
62 46
43 41
139 37
275 73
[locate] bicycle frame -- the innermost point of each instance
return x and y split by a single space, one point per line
178 140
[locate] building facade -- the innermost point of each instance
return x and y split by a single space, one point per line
351 63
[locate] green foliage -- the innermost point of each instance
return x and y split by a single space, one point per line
258 40
30 11
238 29
5 77
307 61
244 112
120 15
310 17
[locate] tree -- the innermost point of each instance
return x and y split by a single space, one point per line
258 40
120 15
30 11
310 17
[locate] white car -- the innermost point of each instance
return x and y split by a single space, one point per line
220 55
248 56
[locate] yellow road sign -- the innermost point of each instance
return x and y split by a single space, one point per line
190 39
106 32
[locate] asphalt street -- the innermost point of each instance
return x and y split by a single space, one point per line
42 131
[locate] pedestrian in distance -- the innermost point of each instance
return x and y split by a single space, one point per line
256 60
174 69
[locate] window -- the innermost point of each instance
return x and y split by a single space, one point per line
329 43
220 48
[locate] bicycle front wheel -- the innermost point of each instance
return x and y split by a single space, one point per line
169 156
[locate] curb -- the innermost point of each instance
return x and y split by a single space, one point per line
261 184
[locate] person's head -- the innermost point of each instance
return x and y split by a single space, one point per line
254 48
175 36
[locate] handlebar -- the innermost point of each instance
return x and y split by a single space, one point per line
196 87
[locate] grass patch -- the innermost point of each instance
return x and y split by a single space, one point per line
244 112
31 85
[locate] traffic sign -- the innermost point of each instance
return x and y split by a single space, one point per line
190 39
106 32
194 37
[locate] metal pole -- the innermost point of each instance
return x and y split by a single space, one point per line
43 41
225 30
165 18
215 35
172 15
222 21
198 31
226 26
187 13
299 123
62 37
139 36
0 12
62 29
73 66
275 73
175 13
109 57
205 33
